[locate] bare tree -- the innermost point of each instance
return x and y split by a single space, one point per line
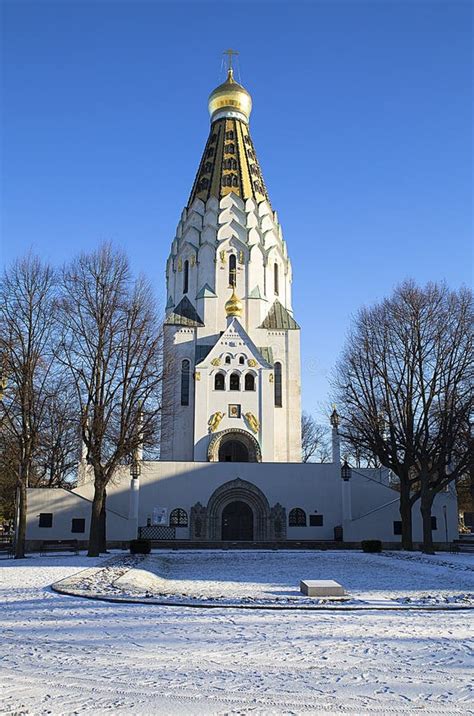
55 458
359 456
9 461
111 344
26 337
314 440
58 442
403 387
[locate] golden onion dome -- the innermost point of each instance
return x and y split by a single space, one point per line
230 100
234 306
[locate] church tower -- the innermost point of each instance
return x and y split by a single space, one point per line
232 346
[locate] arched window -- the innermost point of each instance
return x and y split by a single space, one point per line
276 277
241 360
235 381
249 381
277 385
185 366
227 360
235 181
219 381
186 277
297 517
178 518
232 270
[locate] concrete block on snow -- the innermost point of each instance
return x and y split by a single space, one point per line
321 588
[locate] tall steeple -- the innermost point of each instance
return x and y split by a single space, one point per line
229 331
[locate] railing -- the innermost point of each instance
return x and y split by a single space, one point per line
157 532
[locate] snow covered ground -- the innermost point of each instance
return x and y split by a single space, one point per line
272 578
67 655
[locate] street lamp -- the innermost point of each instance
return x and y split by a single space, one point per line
335 419
135 468
346 472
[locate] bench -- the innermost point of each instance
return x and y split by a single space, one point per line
6 547
59 545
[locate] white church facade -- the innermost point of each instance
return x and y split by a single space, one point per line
230 466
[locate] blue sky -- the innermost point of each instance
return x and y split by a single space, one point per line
362 124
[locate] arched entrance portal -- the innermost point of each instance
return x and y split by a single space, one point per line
238 502
237 521
234 445
233 451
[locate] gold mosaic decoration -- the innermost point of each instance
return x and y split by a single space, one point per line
229 164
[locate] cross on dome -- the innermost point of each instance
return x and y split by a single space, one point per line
230 54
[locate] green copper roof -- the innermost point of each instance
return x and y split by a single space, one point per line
206 292
279 318
255 293
266 353
184 315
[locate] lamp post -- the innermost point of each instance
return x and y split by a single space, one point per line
16 519
335 419
346 474
135 471
336 447
445 516
135 468
346 471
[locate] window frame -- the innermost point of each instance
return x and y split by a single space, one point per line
185 382
297 517
82 520
177 519
186 276
41 519
234 375
278 385
219 375
232 271
276 279
247 377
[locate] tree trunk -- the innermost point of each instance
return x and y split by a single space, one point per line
95 539
406 516
426 505
103 525
20 524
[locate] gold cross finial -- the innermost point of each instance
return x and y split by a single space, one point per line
229 54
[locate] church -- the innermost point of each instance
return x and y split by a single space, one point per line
230 469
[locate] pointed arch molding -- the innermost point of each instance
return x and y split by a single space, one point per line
266 520
255 453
